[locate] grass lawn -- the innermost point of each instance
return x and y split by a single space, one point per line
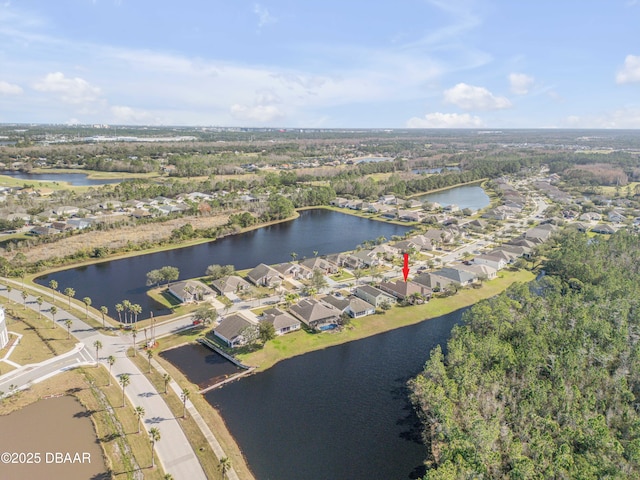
300 342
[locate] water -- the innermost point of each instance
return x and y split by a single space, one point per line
325 231
467 196
38 428
75 179
200 364
341 413
434 170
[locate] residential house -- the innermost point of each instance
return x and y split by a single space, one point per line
388 199
493 261
265 276
604 229
282 322
406 290
359 308
315 314
287 270
616 216
479 270
230 284
311 264
409 216
190 291
231 329
444 277
373 295
339 202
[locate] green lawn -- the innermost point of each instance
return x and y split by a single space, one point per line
300 342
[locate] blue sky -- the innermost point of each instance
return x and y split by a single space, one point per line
355 63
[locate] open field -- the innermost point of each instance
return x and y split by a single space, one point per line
300 342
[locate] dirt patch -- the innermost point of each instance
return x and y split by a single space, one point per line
115 239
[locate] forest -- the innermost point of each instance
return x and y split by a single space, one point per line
542 381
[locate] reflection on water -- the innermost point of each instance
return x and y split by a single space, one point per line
200 364
75 179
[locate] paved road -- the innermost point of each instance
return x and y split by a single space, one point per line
174 451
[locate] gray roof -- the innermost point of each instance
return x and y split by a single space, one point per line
368 289
311 311
229 284
456 275
231 326
260 272
358 305
279 319
340 303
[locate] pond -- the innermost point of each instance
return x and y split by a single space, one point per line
75 179
324 231
342 412
37 428
200 364
467 196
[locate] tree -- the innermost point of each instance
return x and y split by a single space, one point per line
318 280
294 255
39 301
218 271
134 334
104 311
166 378
136 310
110 361
185 394
290 298
124 381
68 324
154 277
205 314
266 332
24 296
225 466
53 285
357 273
154 436
250 334
119 309
169 274
149 356
87 304
139 412
97 345
70 293
53 310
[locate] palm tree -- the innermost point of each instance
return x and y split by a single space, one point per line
124 381
53 311
136 310
97 345
110 360
294 255
126 304
167 378
87 304
154 436
134 334
39 301
68 324
24 299
119 309
69 292
167 476
139 411
9 288
185 394
53 285
225 466
149 356
104 310
315 253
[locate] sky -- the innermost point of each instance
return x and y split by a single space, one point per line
322 64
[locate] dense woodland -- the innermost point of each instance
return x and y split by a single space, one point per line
543 381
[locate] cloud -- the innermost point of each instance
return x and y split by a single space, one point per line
520 83
630 71
469 97
127 115
624 118
264 17
72 90
7 88
445 120
256 113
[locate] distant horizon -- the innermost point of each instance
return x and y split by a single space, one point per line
472 64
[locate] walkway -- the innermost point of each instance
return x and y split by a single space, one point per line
174 453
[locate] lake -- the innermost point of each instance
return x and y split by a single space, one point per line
200 364
75 179
466 196
341 413
325 231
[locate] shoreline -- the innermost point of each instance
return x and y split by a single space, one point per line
301 342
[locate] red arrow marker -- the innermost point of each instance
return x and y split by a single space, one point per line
405 269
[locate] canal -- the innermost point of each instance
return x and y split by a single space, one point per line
342 412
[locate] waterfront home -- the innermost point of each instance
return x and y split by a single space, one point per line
231 329
496 262
282 322
230 284
326 266
359 308
315 314
339 202
341 303
479 271
409 216
265 276
406 290
190 291
388 199
445 277
373 295
287 270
